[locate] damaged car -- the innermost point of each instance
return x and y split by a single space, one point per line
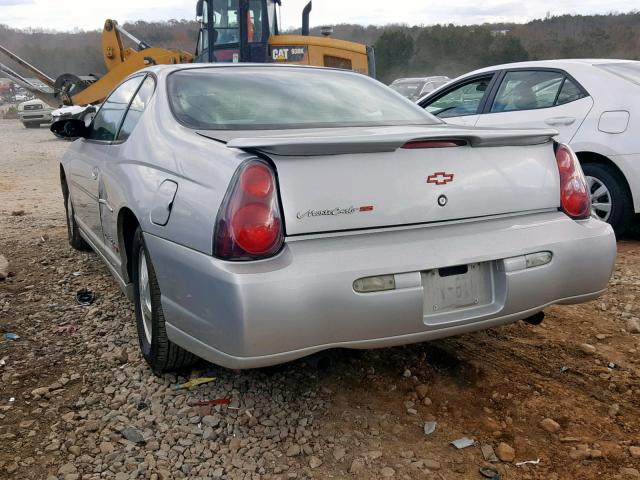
257 214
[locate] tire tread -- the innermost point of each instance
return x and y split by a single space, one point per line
164 355
622 213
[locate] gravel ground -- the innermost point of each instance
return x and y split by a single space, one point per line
77 400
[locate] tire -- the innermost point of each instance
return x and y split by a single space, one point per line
613 204
73 231
161 354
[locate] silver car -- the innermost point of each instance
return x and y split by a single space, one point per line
256 214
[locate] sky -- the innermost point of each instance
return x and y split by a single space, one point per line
90 14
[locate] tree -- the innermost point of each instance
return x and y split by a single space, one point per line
394 50
506 49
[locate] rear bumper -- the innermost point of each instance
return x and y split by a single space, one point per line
245 315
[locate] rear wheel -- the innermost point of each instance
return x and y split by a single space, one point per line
73 232
159 352
610 200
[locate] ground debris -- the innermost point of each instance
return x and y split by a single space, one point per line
80 395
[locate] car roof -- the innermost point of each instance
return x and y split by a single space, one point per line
420 79
559 63
166 69
34 100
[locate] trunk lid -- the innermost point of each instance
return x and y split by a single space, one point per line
345 179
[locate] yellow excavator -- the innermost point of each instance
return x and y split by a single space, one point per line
230 31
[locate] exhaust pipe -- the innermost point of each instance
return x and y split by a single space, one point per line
534 319
305 19
319 361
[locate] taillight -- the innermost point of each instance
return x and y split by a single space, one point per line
249 225
446 143
575 198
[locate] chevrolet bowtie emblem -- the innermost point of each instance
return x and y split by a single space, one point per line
440 178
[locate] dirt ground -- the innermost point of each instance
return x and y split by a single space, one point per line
77 400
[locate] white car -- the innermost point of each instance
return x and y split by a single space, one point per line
593 104
34 113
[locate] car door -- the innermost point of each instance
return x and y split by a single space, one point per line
538 98
111 190
461 103
91 153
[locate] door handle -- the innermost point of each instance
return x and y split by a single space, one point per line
94 173
102 201
560 121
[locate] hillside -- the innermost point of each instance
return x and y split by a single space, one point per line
400 50
80 52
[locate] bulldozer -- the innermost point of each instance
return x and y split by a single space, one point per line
248 31
229 31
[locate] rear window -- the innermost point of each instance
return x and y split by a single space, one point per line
629 71
263 98
408 89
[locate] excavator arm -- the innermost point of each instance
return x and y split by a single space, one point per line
120 62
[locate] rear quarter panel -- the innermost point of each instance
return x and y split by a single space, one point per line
160 149
612 94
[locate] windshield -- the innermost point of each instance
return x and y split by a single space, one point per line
629 71
262 98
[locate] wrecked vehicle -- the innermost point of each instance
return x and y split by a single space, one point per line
258 214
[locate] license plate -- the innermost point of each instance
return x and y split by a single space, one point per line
454 288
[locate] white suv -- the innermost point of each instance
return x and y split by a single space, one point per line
34 113
594 105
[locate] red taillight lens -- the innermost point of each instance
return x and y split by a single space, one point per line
448 143
574 193
249 225
255 228
256 180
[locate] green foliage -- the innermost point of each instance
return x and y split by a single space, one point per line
452 50
392 49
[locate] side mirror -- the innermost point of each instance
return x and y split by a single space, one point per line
70 129
199 8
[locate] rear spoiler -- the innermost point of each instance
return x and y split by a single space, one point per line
303 145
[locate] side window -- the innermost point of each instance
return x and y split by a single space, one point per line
569 92
254 23
139 103
462 100
225 21
527 90
107 120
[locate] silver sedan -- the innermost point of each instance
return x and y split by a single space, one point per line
258 214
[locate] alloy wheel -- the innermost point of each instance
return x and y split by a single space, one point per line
144 290
601 202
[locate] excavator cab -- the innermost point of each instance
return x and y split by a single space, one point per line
247 31
235 30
